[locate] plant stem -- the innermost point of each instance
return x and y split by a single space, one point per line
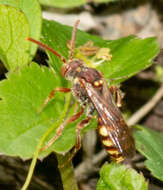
36 153
67 173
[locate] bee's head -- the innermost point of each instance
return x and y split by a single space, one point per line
71 69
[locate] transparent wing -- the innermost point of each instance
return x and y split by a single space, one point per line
111 117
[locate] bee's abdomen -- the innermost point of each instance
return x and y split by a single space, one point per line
108 144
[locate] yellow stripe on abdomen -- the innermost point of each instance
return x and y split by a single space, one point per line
108 144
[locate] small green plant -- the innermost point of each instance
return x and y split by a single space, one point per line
23 131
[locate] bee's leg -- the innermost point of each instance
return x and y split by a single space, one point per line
81 125
60 129
117 95
51 95
76 106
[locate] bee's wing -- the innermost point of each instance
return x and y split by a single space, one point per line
111 118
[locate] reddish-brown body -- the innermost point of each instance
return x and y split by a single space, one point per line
90 89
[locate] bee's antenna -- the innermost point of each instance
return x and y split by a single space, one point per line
72 44
48 48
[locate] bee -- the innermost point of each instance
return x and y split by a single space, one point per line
91 90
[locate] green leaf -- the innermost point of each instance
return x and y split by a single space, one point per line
3 57
12 3
22 127
150 144
22 94
70 3
32 10
62 3
14 31
130 54
119 177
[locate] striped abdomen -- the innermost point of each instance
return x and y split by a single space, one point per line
108 144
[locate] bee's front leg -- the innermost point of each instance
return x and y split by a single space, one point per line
51 95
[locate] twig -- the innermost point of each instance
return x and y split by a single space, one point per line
42 183
81 170
88 144
144 110
140 165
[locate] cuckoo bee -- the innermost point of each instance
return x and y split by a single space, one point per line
90 89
